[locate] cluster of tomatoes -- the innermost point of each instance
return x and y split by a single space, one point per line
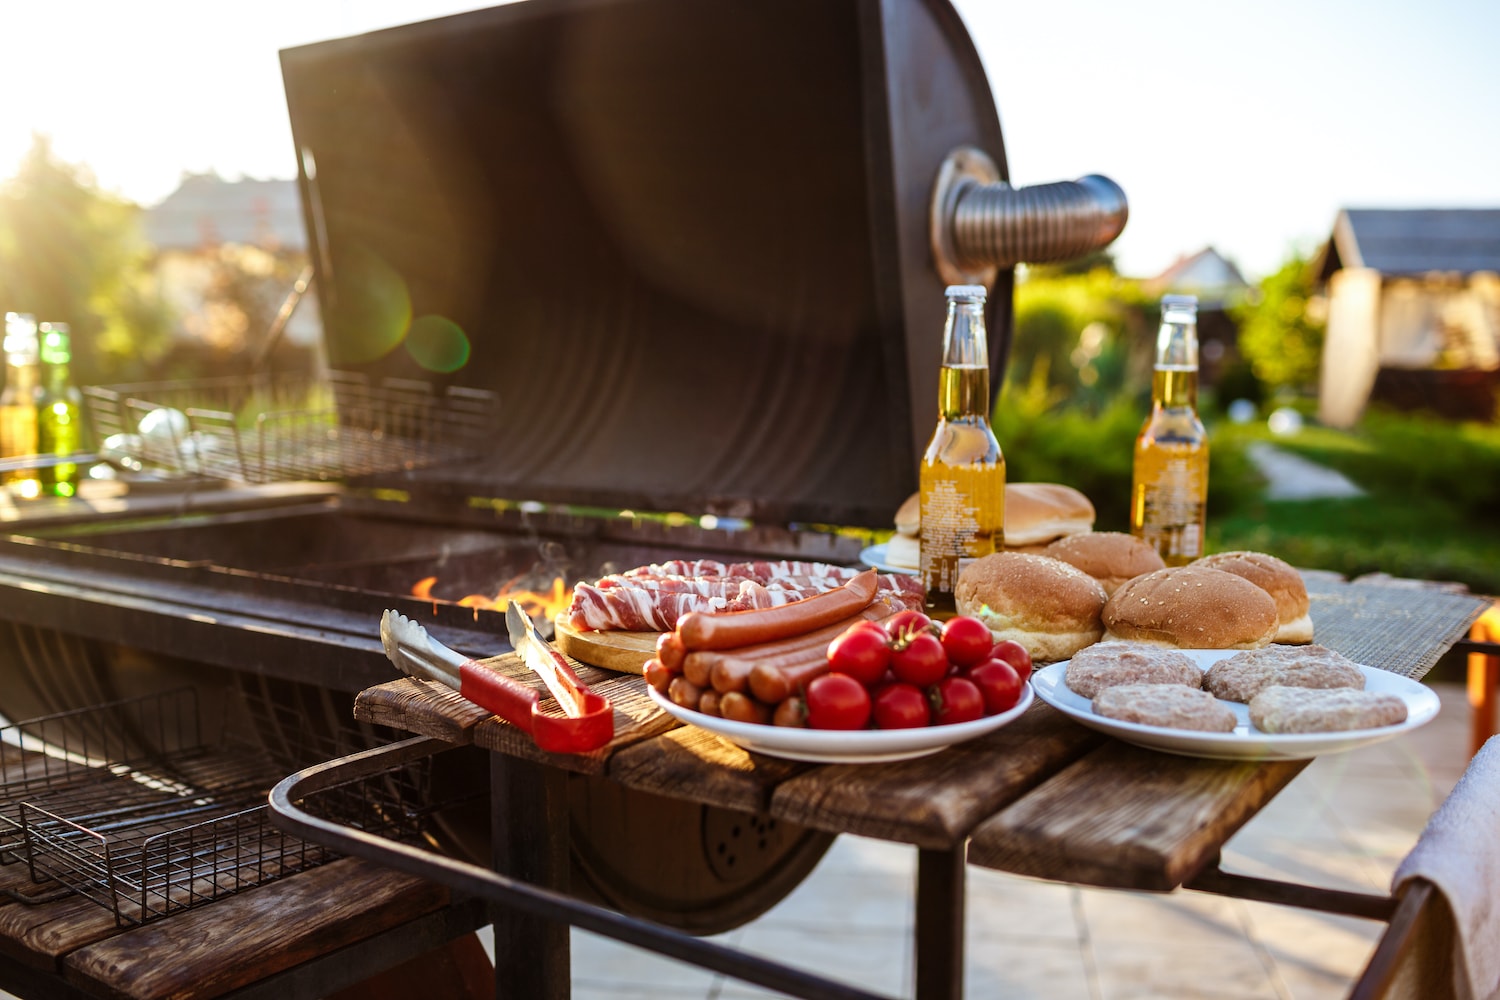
911 671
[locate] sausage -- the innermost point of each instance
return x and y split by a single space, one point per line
684 692
792 712
738 707
669 650
709 703
732 673
697 669
657 675
773 685
730 630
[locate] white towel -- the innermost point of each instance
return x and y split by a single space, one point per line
1459 852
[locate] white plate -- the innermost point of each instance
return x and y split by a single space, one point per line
827 746
1246 742
874 557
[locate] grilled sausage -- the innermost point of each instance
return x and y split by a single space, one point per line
700 630
670 651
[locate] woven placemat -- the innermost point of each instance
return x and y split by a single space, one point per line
1402 626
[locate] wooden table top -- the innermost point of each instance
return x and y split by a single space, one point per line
1042 796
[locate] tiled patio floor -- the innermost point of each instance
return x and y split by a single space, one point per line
1345 822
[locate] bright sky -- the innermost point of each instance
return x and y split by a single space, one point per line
1243 126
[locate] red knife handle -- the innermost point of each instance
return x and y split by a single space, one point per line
511 700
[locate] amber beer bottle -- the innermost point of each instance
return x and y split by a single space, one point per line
1169 495
963 472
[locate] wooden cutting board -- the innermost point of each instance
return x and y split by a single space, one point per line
626 652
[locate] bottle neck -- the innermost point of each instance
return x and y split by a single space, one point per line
964 387
20 373
1175 380
57 375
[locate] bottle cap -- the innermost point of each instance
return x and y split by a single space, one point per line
1176 303
966 293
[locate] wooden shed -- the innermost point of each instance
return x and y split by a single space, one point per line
1413 312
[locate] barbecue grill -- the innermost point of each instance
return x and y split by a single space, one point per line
602 284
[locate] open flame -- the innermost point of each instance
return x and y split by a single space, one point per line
540 605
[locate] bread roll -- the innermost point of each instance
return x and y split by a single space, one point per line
1192 607
1040 512
1046 605
1111 557
1277 578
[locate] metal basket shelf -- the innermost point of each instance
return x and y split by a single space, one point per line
287 427
169 823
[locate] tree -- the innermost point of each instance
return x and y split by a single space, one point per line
74 254
1280 337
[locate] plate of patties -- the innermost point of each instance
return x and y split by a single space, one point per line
1272 702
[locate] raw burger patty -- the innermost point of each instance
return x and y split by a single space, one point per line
1106 664
1280 709
1172 705
1242 676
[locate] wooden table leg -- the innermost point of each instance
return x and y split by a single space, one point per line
529 833
940 924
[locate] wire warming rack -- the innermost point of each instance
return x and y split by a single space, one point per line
127 805
287 426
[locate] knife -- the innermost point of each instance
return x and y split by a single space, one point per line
589 721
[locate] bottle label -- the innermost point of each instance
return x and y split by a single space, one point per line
1173 509
953 533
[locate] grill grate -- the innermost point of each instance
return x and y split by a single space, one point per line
126 805
284 428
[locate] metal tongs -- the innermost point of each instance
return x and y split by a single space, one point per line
588 721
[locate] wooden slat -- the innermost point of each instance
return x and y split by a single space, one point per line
208 951
1130 818
425 708
694 764
935 801
39 935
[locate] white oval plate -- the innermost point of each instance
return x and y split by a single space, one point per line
827 746
874 557
1246 742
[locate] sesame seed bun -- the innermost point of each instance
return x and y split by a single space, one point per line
1277 578
1192 607
1046 605
1111 557
1040 512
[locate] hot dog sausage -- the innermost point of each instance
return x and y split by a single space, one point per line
669 651
792 712
699 630
709 703
738 707
657 675
773 685
684 692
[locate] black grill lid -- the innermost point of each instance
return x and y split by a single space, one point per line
685 240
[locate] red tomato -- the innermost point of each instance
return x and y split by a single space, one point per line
998 683
901 706
904 623
967 640
837 701
955 699
919 660
861 653
1015 654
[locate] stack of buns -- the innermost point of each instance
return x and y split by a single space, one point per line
1035 514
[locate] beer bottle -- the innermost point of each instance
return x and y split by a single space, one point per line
18 402
1169 494
58 412
962 478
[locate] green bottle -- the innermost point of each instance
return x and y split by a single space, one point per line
59 415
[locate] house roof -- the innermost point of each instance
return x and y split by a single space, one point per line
207 210
1208 274
1404 241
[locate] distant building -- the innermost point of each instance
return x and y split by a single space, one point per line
1413 312
1218 284
254 226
